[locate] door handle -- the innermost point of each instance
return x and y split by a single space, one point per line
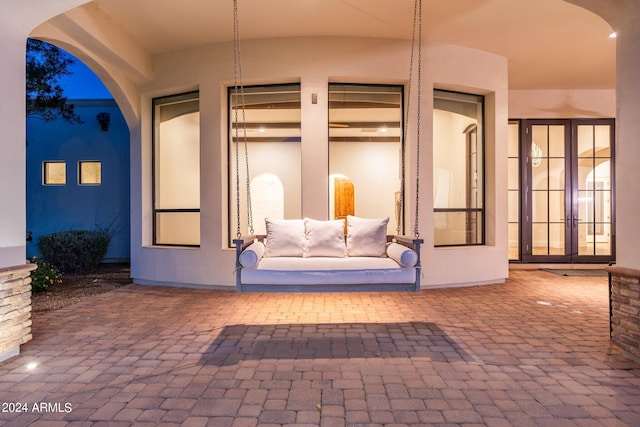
571 221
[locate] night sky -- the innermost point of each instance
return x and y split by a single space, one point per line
83 83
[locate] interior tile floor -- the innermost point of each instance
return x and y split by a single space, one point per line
534 351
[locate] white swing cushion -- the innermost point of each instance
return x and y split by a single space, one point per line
366 236
252 254
397 267
285 237
403 255
327 270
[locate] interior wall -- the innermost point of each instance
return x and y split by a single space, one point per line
281 159
370 168
315 62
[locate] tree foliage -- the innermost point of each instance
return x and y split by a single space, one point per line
46 64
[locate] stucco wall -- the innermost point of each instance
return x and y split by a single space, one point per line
562 104
314 62
52 208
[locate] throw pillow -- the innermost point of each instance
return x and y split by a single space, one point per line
324 238
285 237
366 236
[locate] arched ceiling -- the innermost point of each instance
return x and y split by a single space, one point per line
550 44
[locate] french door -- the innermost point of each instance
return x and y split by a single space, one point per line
567 202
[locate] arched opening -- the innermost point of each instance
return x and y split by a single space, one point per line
78 171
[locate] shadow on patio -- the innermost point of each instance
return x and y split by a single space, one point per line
238 343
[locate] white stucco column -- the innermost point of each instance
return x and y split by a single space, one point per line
12 147
315 155
628 142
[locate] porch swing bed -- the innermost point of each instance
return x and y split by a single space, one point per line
299 255
309 255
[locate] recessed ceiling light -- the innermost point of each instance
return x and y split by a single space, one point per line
613 35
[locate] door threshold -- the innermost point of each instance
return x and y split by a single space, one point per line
557 265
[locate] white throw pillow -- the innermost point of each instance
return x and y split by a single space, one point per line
324 238
285 237
366 236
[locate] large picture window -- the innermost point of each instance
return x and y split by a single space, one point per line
273 137
176 170
365 148
458 167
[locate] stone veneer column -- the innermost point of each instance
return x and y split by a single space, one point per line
15 309
625 310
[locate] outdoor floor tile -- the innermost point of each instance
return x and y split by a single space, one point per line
533 351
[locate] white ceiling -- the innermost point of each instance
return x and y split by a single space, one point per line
551 44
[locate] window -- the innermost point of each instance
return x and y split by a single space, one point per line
176 170
365 148
89 173
458 167
54 173
272 123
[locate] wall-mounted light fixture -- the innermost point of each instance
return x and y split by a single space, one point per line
104 119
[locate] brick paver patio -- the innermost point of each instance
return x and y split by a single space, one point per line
534 351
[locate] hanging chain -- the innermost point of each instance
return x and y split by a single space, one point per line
416 226
238 97
417 26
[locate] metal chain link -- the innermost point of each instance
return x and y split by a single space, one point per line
417 25
416 226
238 92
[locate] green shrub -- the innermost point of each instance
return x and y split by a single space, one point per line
44 276
75 251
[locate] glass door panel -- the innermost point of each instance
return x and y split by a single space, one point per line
513 185
568 206
540 175
556 174
594 190
540 239
557 238
556 207
540 207
556 141
602 141
585 172
513 176
548 170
